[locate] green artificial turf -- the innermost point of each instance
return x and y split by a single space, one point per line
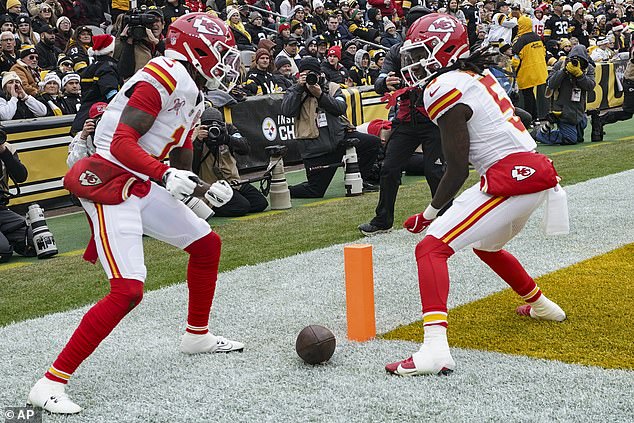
36 288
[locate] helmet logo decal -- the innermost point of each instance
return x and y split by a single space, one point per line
205 25
442 24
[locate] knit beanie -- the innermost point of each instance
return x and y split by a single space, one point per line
261 52
13 3
310 63
281 61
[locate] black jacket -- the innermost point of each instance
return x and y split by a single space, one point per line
338 75
47 55
331 134
99 82
171 13
70 104
10 165
259 82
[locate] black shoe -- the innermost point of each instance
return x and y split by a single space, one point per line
596 134
369 229
369 187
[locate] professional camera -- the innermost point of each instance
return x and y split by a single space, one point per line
42 237
313 78
217 134
137 23
216 127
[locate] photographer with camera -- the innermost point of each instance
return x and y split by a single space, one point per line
14 232
140 40
318 107
214 160
568 85
82 144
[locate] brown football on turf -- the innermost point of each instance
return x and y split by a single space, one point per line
315 344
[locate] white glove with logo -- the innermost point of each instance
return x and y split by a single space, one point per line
219 193
180 183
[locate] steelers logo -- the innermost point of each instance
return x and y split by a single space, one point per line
269 129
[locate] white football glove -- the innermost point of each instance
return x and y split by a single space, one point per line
180 183
219 193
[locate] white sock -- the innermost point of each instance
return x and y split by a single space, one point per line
436 336
546 309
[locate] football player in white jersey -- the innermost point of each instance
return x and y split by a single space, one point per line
478 126
152 117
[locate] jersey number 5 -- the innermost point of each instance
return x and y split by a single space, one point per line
502 101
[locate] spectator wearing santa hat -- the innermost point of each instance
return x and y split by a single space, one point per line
100 80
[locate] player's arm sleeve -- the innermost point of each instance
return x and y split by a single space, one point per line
137 118
440 98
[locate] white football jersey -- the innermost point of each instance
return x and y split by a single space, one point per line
494 130
181 107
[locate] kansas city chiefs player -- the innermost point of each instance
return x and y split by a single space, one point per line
151 118
478 126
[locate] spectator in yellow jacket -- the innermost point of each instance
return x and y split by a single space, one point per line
529 63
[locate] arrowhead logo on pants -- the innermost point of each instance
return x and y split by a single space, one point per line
522 172
87 179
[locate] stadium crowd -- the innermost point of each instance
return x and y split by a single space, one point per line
53 53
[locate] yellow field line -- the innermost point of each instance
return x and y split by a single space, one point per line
330 200
258 215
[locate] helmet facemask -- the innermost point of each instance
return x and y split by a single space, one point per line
226 72
418 61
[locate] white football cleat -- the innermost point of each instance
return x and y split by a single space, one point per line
424 362
50 396
542 309
207 343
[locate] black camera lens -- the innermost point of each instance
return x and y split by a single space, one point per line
214 131
312 78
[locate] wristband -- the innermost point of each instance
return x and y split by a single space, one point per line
430 212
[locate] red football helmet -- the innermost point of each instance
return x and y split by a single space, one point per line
207 43
432 43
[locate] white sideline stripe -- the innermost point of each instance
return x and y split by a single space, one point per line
49 142
370 101
266 305
42 186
